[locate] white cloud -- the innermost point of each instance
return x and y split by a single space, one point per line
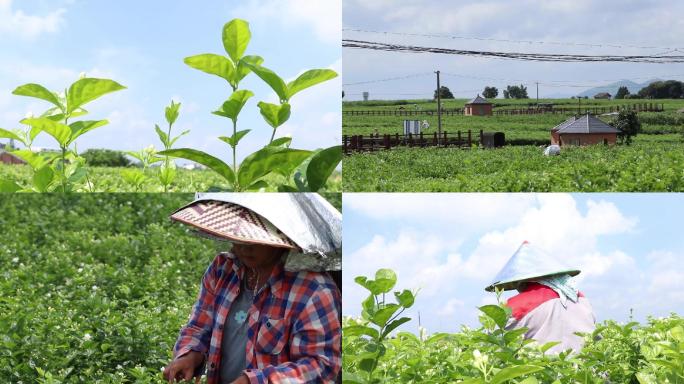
15 22
324 17
452 276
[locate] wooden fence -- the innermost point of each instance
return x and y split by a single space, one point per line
375 142
641 107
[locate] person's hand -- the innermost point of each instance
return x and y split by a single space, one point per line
183 367
243 379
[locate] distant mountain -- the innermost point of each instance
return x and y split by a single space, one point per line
613 88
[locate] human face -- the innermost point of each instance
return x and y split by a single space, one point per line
257 256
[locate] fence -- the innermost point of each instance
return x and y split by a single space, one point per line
375 142
641 107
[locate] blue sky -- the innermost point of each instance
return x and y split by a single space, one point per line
450 246
141 44
650 23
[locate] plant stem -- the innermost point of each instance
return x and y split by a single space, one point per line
272 136
234 150
166 160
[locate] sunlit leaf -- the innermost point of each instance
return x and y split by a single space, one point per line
39 92
268 160
213 64
309 79
274 114
236 36
61 132
231 108
171 112
205 159
79 128
235 139
88 89
273 80
243 70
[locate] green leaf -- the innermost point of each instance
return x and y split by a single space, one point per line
358 330
5 134
171 112
61 132
9 186
213 64
236 37
243 70
235 139
205 159
385 279
167 175
405 298
39 92
79 128
529 380
88 89
42 178
394 325
274 114
381 317
231 108
162 136
352 378
495 313
514 334
34 160
548 346
309 79
257 185
513 372
321 166
281 142
267 160
133 177
273 80
178 137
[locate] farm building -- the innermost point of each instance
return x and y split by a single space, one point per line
478 106
584 130
7 157
602 95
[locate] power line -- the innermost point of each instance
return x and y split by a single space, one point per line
656 59
455 37
389 79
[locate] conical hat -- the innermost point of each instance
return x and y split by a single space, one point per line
232 222
528 263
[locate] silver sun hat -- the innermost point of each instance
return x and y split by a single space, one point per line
305 223
528 263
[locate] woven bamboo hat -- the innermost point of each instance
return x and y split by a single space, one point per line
232 222
528 263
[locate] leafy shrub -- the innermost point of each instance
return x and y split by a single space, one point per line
105 158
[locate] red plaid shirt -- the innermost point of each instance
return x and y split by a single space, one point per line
293 334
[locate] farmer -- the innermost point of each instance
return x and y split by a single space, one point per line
256 319
548 304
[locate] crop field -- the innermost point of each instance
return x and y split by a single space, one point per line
110 179
653 163
615 353
95 287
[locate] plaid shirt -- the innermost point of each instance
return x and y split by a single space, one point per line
293 334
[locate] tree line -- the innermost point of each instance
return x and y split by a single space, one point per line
670 89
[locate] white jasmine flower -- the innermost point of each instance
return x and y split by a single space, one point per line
82 75
15 260
94 287
80 270
87 337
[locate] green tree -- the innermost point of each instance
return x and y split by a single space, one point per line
490 92
444 93
628 124
622 93
670 89
105 158
515 92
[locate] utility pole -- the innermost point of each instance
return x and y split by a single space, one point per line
537 93
439 112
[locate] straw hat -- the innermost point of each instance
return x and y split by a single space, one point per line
232 222
528 263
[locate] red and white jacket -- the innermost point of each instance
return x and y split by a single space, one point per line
540 310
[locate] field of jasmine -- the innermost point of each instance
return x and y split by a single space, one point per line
95 287
615 353
652 163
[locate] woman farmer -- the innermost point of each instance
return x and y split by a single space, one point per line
548 304
264 315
